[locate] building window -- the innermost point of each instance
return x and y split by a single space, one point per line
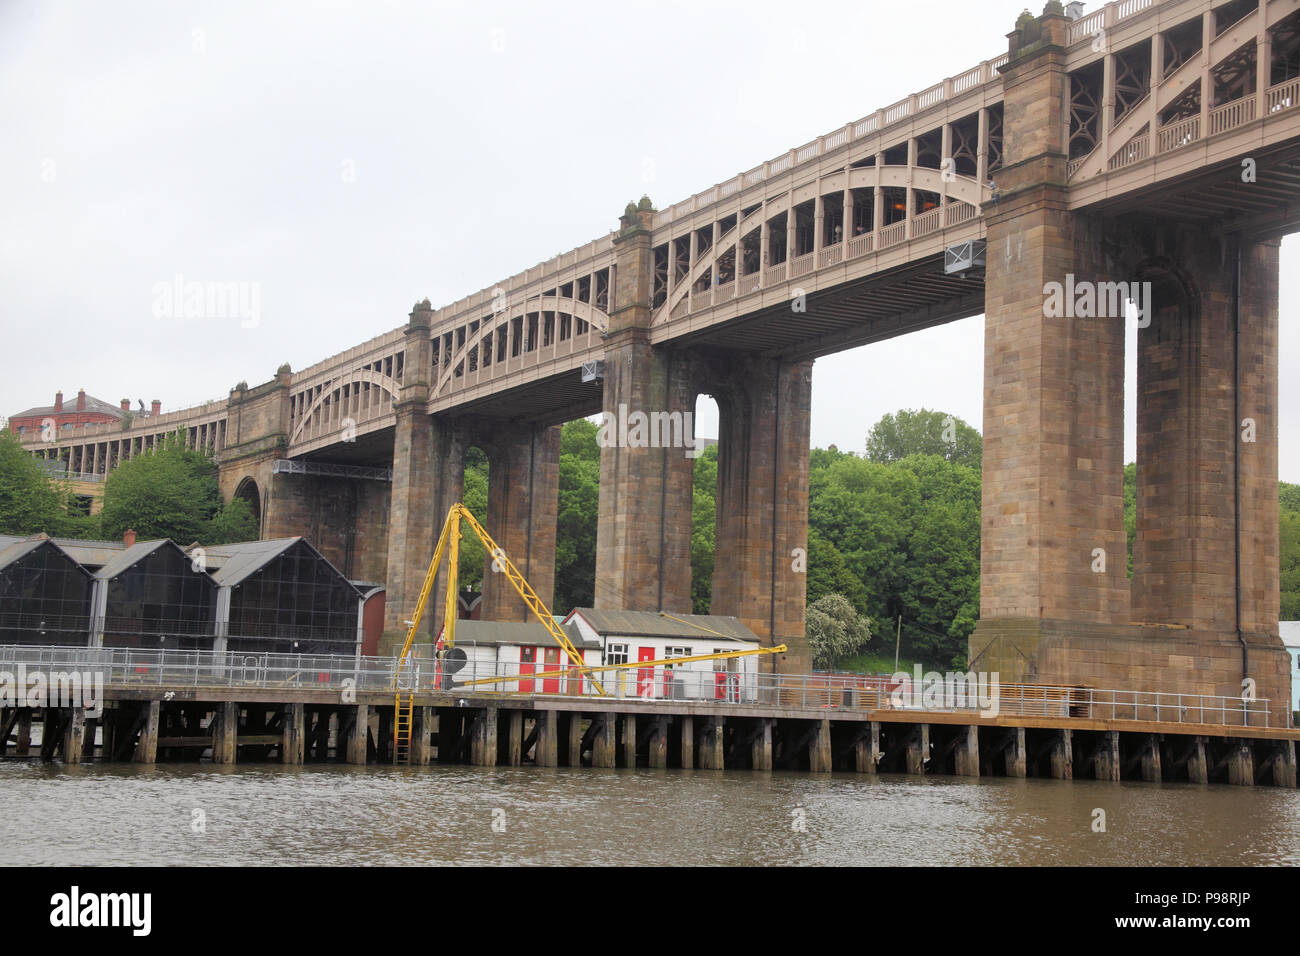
22 429
616 654
677 652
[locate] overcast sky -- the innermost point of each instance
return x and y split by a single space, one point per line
352 158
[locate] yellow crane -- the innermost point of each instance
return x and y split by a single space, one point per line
449 545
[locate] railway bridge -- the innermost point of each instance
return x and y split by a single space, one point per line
1154 143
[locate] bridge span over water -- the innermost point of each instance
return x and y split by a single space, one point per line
1150 141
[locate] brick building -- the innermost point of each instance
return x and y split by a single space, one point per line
87 410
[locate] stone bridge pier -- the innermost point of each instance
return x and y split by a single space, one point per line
1201 612
643 557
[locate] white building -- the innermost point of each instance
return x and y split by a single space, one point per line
1291 638
626 637
502 648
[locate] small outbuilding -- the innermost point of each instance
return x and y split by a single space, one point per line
637 636
510 648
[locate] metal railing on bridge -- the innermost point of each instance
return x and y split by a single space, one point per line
822 694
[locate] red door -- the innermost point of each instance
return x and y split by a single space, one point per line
527 665
645 675
551 685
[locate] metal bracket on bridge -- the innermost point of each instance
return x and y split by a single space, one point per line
968 256
286 466
593 371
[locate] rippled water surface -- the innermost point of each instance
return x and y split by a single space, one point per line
328 814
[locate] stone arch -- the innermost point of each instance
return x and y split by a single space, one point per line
249 491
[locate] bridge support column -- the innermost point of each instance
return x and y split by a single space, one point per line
643 539
1053 543
1063 755
966 754
413 520
523 503
765 411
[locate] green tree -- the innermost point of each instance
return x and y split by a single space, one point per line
1130 510
704 514
31 501
835 630
234 522
579 508
924 432
474 496
172 493
1289 552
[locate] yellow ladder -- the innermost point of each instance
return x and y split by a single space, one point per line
403 715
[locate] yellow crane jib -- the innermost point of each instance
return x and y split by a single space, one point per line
448 544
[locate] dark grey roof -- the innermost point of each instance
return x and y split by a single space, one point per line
231 564
12 549
128 557
526 633
660 624
70 406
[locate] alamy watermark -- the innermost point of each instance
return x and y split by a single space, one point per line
180 299
39 688
962 690
1098 300
638 429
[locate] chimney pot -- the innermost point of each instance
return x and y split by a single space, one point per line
58 400
126 404
157 407
81 400
128 538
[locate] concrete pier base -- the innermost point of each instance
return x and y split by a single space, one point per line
761 748
146 748
294 732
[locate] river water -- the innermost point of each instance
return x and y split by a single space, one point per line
200 814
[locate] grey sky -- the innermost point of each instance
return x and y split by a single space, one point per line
213 141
